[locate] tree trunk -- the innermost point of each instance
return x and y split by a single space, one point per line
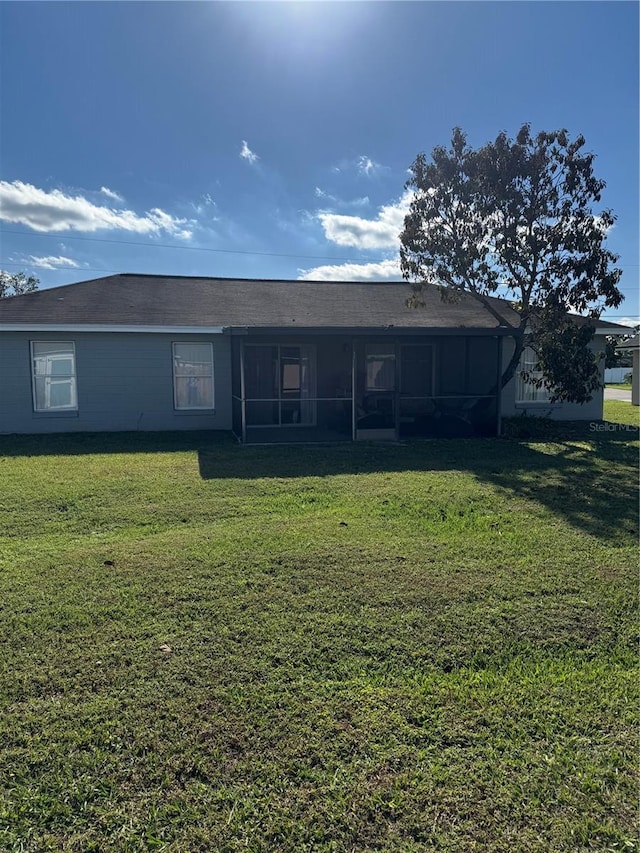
512 367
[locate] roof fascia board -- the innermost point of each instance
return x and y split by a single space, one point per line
366 330
266 330
108 327
607 330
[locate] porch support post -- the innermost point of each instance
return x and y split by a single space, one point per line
243 403
499 389
354 412
396 390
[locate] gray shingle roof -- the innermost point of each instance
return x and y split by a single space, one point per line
181 301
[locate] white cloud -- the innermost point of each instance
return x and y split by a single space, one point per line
363 165
111 194
247 154
51 262
379 233
388 270
43 211
206 206
607 229
361 201
622 321
366 166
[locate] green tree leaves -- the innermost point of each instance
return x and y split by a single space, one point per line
14 284
517 218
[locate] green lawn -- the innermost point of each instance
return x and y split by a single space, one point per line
621 412
420 647
623 386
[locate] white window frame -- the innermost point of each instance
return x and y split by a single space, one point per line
71 378
526 393
177 407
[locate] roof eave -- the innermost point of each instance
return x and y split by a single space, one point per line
367 330
111 327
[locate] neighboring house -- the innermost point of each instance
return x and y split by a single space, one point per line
633 346
270 360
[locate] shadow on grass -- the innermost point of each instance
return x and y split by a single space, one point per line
586 475
89 443
590 480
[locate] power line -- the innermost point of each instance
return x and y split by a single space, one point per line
201 249
56 268
189 248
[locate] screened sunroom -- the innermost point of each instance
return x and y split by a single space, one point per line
325 387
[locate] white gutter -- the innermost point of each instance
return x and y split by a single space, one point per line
608 331
99 327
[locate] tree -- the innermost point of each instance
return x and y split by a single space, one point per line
516 218
14 284
611 354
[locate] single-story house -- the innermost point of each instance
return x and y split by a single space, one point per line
270 360
633 345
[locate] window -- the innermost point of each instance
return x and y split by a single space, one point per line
54 376
193 376
381 367
526 391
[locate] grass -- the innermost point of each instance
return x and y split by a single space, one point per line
623 386
364 648
622 412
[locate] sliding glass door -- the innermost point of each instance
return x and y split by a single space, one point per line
376 391
280 384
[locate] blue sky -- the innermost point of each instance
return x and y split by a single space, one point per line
272 140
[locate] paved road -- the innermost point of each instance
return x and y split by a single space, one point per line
617 394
